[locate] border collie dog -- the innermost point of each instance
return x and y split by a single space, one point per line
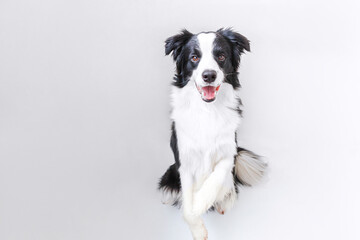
205 115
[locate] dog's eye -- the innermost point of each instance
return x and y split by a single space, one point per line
195 58
221 57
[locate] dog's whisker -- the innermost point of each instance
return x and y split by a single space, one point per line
233 73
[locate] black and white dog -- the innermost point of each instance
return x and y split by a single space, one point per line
206 114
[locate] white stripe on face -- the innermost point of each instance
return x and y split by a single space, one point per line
207 61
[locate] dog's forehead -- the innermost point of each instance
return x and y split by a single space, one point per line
206 42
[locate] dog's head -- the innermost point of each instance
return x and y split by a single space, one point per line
209 59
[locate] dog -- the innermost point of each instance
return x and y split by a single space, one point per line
206 112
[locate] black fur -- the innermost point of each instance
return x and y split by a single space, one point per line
227 42
170 181
238 108
237 44
180 49
174 144
183 46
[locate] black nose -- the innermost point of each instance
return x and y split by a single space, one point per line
209 76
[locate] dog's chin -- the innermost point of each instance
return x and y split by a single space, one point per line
208 93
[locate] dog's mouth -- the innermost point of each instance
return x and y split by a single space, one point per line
208 93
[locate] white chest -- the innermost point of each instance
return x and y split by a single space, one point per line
205 131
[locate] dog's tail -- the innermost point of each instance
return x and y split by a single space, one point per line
170 186
249 167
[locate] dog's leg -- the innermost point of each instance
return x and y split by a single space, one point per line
195 223
226 203
205 197
226 196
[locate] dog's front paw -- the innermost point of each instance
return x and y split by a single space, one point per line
225 202
200 204
200 233
196 225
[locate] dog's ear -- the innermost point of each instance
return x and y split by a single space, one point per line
175 43
240 42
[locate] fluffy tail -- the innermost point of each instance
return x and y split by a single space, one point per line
249 167
170 186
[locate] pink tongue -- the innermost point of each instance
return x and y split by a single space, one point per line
209 92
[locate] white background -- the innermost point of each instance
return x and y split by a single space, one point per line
84 127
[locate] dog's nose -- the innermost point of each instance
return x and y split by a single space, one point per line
209 76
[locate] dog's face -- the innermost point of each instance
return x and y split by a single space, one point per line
208 59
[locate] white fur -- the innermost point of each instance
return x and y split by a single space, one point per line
249 168
226 200
207 61
206 143
170 197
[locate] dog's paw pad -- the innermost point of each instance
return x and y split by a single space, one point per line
220 210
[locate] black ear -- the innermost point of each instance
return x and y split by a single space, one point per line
175 43
240 42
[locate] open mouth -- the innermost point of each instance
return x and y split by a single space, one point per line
208 93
